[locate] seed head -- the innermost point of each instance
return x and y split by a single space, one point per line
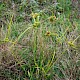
52 18
48 33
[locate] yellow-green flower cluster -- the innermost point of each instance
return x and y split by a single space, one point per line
71 44
34 15
36 22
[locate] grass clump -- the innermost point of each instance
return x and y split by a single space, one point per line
39 41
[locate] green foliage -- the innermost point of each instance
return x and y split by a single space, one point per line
40 40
